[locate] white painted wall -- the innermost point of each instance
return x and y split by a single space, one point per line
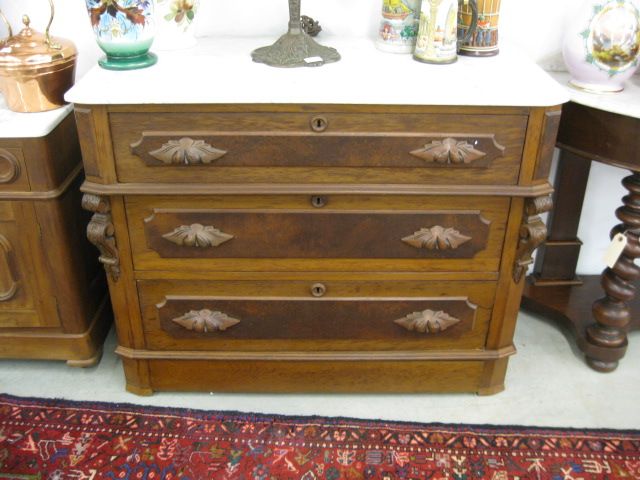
536 27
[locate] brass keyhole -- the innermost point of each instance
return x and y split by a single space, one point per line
318 290
319 124
318 201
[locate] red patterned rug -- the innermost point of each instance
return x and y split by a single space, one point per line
58 440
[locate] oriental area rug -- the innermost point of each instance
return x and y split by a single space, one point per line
54 439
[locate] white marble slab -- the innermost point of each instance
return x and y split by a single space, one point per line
626 102
29 125
220 71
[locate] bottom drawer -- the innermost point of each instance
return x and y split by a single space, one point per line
315 315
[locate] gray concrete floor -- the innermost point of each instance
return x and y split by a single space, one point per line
548 384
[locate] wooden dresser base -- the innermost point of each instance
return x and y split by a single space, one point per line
335 374
79 350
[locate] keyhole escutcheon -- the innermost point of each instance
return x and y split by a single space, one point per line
318 201
318 289
319 124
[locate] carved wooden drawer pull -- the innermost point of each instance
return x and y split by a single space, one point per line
187 151
436 238
8 283
427 321
449 151
203 321
197 235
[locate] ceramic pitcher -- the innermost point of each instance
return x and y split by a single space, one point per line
437 40
602 44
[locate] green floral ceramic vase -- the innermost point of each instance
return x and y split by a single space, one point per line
124 30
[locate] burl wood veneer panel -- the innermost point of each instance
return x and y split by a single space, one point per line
316 314
287 233
203 147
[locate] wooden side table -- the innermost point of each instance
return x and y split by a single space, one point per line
599 309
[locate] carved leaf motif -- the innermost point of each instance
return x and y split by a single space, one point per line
197 235
203 321
449 151
187 151
436 238
427 321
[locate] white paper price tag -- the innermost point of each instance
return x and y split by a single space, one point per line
615 249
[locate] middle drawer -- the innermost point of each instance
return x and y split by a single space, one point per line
317 233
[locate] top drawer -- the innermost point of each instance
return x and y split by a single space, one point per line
292 147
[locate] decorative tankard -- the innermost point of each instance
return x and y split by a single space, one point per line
437 40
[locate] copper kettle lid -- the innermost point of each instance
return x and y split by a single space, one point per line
30 48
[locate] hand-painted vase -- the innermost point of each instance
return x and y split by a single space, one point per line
175 20
398 26
602 44
124 30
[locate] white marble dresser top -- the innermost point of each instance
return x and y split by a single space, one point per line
220 71
29 125
625 103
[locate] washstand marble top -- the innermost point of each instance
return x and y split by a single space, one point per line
29 125
625 103
220 71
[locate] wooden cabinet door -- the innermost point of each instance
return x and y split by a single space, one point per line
18 304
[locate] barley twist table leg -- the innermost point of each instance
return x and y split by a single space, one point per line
612 313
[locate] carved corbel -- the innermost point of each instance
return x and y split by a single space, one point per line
532 233
100 232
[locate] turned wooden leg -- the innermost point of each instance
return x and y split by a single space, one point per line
612 313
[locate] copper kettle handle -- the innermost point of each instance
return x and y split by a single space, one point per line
4 19
55 46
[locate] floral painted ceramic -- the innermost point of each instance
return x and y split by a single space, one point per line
398 26
124 30
175 19
601 48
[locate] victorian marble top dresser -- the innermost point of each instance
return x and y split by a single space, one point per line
364 226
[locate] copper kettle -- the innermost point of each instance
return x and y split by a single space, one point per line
35 69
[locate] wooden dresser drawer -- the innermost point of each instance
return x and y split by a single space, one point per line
288 233
317 147
314 315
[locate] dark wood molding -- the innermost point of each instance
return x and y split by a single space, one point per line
550 126
7 265
11 169
101 232
400 355
46 195
533 233
87 131
315 189
428 321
